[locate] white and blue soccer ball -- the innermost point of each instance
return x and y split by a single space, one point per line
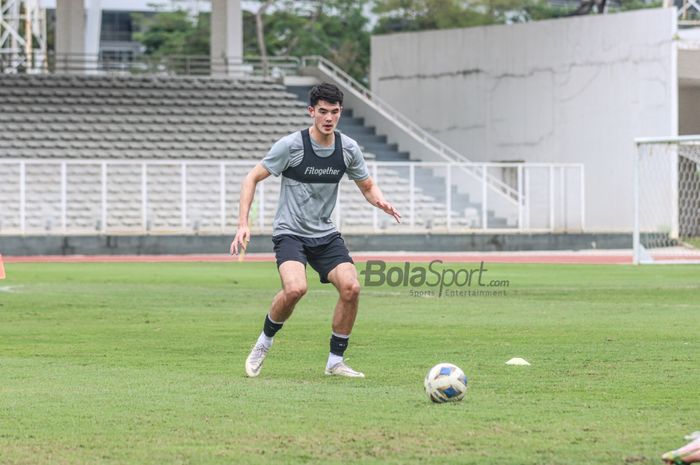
445 382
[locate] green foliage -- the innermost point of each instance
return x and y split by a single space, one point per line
169 33
418 15
535 10
627 5
334 29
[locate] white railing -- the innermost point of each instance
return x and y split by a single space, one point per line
201 196
183 65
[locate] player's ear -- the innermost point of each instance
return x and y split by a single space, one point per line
310 110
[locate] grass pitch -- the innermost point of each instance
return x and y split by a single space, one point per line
143 364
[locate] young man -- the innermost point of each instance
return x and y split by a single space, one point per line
312 163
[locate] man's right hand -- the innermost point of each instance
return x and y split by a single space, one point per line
242 238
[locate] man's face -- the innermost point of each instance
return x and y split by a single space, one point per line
326 116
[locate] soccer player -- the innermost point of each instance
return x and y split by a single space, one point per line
312 163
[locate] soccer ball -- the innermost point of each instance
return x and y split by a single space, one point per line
445 382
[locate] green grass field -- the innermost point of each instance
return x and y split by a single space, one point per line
143 364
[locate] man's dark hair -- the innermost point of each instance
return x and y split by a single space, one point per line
325 91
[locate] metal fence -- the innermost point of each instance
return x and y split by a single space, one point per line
179 65
57 197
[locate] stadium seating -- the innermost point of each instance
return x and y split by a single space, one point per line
69 116
87 119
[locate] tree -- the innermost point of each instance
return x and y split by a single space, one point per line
419 15
169 33
335 29
260 33
602 6
586 6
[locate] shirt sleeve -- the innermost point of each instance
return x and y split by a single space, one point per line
277 159
356 167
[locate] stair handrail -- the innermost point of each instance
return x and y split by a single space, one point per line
428 140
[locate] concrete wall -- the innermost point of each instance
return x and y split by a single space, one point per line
567 90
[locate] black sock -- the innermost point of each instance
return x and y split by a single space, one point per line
339 344
270 328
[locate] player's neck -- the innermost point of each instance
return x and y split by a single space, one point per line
324 140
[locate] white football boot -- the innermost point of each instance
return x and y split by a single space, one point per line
255 359
341 369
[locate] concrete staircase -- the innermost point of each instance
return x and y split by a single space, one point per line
376 147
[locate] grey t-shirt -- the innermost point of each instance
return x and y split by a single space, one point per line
304 209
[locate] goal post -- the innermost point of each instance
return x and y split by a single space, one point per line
667 200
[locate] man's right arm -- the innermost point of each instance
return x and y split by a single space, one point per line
257 174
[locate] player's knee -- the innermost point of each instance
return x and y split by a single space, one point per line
350 291
295 292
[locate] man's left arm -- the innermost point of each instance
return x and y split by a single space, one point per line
374 196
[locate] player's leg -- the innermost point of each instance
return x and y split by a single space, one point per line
293 277
291 262
333 263
344 278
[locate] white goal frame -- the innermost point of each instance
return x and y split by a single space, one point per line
661 190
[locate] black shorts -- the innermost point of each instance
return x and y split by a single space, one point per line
322 253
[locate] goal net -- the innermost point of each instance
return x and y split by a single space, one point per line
667 200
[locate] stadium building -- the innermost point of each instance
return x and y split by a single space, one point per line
506 140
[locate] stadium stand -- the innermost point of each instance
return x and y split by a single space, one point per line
73 116
83 120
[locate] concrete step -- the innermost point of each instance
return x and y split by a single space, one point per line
357 131
367 138
430 184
